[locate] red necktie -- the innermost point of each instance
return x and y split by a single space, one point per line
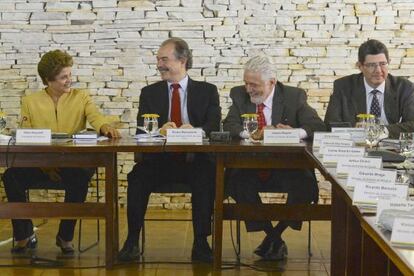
175 105
261 120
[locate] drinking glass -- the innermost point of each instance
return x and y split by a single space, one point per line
406 142
250 123
372 131
151 123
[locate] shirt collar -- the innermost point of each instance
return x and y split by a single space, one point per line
269 100
368 88
183 83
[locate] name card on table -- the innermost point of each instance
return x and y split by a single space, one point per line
357 134
331 155
395 204
335 143
33 136
347 165
385 177
281 136
185 135
319 136
368 194
403 232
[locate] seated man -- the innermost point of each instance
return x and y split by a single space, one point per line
181 103
282 107
374 91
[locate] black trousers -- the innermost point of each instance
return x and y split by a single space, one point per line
18 180
149 174
244 185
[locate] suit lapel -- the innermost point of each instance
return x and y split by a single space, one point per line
359 97
190 100
390 103
277 108
164 102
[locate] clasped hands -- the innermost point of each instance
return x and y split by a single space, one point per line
258 134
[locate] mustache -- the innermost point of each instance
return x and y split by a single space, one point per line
163 69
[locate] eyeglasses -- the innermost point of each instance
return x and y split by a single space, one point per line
372 66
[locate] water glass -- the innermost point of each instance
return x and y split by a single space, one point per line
406 142
151 123
250 123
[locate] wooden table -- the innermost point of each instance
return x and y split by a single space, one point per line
70 154
358 246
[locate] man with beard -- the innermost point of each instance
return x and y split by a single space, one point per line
374 91
180 102
279 106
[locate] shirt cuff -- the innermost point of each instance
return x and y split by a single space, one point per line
302 134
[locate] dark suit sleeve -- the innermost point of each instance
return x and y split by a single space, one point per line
142 108
308 119
334 109
406 113
213 115
233 121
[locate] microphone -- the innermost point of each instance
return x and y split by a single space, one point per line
220 136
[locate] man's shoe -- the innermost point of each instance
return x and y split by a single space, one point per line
263 248
278 251
30 246
129 252
201 251
67 249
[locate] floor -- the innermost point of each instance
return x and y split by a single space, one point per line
168 250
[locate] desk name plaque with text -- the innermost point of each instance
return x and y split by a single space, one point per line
319 136
331 155
347 165
185 135
281 136
403 232
368 194
385 177
357 134
33 136
395 204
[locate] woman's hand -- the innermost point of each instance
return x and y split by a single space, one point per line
109 131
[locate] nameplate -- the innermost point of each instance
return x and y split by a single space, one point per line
33 136
331 155
403 232
281 136
368 194
347 165
335 143
184 135
319 136
395 204
385 177
357 134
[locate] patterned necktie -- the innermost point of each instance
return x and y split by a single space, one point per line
175 105
375 106
261 120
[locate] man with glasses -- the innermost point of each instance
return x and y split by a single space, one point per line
374 91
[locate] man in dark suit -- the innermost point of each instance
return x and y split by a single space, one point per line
279 106
375 91
181 103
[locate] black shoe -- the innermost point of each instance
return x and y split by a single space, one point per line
67 250
262 249
277 251
201 251
129 252
30 246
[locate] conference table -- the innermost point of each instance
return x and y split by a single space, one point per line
236 154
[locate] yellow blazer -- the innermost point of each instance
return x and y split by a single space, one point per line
70 115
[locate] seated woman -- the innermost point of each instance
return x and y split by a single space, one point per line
62 109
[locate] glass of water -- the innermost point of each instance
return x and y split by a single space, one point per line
151 124
250 123
372 131
406 142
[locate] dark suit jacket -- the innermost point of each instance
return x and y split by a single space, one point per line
289 108
349 99
202 106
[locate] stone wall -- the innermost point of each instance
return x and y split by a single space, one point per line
114 44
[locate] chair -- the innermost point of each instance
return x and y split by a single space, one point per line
50 185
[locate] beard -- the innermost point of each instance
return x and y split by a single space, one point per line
257 99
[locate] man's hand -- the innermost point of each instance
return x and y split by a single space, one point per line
53 174
186 126
283 126
109 131
167 125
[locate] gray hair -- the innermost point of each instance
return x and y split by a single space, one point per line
262 65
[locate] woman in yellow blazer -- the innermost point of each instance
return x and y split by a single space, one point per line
62 109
